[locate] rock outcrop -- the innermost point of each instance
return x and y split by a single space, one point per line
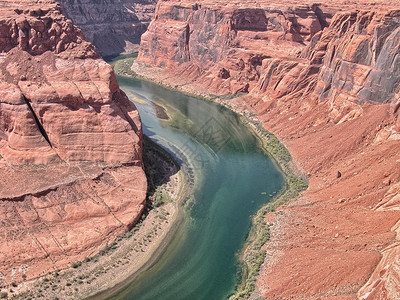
71 175
112 26
325 80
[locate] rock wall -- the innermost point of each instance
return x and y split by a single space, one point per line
71 175
112 26
225 47
352 62
324 79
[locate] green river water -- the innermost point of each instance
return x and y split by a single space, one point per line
232 178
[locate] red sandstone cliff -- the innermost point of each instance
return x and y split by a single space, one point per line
325 80
224 47
71 175
112 26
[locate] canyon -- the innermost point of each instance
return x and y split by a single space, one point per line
71 171
325 79
112 26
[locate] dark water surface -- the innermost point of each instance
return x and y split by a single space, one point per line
232 179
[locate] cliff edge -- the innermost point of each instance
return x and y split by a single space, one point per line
325 79
71 175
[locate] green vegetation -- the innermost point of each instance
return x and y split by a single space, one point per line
76 264
108 248
224 97
3 295
123 67
253 255
160 197
275 148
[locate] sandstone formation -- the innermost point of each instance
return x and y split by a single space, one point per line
112 26
71 175
325 79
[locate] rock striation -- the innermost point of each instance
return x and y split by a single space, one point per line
71 175
224 46
112 26
324 79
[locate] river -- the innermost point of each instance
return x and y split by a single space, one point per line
231 179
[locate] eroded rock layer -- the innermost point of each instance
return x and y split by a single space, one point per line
324 79
71 175
112 26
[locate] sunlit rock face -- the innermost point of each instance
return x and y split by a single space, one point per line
224 46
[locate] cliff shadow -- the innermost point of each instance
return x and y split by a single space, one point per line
160 167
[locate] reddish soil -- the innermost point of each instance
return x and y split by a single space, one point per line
328 242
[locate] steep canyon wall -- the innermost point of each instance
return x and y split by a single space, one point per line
225 46
325 79
112 26
71 175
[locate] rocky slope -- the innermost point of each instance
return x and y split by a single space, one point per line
71 175
112 26
325 80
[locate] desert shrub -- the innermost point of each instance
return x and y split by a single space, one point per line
76 264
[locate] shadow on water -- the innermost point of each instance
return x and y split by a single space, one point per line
159 167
